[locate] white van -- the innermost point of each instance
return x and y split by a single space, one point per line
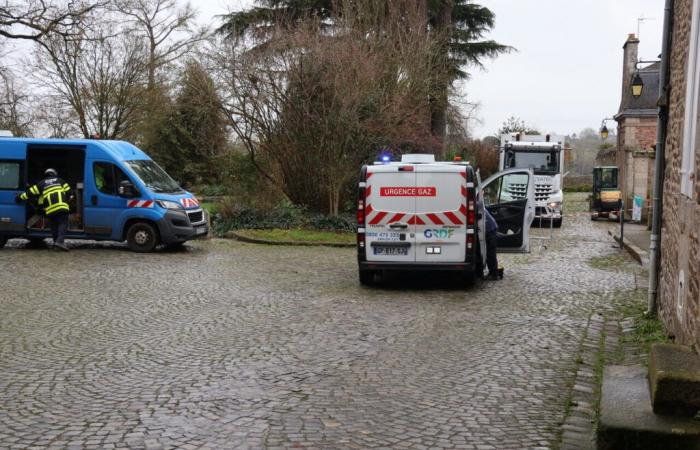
419 214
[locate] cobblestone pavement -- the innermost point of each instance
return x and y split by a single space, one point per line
231 345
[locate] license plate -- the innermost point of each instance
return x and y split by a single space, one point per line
200 230
391 251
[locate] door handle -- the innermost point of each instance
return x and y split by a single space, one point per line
398 226
93 200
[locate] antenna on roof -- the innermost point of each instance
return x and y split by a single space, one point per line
641 19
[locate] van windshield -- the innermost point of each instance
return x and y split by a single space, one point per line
542 163
153 176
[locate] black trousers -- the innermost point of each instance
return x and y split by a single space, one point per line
491 258
59 226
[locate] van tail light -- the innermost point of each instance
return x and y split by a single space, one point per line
470 241
361 213
471 210
361 240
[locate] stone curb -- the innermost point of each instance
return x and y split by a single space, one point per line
242 238
578 429
637 253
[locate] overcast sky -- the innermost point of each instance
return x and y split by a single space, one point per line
566 72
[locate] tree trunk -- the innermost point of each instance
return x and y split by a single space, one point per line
438 100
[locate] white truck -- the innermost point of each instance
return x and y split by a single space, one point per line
544 155
419 214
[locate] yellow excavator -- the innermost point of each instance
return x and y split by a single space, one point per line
606 192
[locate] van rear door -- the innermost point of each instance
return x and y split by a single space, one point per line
12 214
441 213
390 206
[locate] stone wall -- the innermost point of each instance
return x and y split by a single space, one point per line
679 299
637 135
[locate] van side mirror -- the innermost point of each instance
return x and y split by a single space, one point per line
126 189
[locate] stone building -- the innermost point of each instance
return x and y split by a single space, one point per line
636 129
679 264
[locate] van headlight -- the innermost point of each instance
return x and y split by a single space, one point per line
554 205
167 204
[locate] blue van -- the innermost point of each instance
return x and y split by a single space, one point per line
120 194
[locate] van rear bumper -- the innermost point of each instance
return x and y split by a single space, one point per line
453 266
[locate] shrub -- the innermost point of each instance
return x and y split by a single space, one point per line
579 188
285 216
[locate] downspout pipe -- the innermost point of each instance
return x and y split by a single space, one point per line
659 160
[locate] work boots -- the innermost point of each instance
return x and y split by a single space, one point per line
61 246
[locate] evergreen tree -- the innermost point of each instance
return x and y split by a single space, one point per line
461 23
191 133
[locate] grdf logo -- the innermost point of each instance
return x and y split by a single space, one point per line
439 234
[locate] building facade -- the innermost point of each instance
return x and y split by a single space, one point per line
679 264
636 129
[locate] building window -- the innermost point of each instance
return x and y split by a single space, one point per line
692 100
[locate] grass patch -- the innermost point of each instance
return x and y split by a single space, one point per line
576 202
648 330
598 370
608 262
212 208
300 235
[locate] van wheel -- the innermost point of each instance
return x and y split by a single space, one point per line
557 223
469 278
3 241
36 243
175 246
142 237
367 277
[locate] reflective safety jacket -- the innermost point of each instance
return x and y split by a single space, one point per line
52 193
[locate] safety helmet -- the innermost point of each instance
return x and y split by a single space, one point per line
50 173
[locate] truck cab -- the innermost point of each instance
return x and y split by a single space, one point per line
419 214
544 155
120 194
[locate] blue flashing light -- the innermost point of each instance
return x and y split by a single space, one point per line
386 158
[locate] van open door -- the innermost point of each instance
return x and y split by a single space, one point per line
11 184
510 198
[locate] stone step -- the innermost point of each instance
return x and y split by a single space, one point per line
674 380
627 421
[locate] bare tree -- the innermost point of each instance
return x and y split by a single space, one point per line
36 19
14 110
57 118
310 107
168 29
101 78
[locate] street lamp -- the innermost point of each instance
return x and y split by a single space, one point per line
637 82
604 133
637 85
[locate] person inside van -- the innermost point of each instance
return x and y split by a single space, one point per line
53 193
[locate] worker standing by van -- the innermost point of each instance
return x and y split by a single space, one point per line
53 194
491 245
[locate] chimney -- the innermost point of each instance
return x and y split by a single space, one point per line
629 60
